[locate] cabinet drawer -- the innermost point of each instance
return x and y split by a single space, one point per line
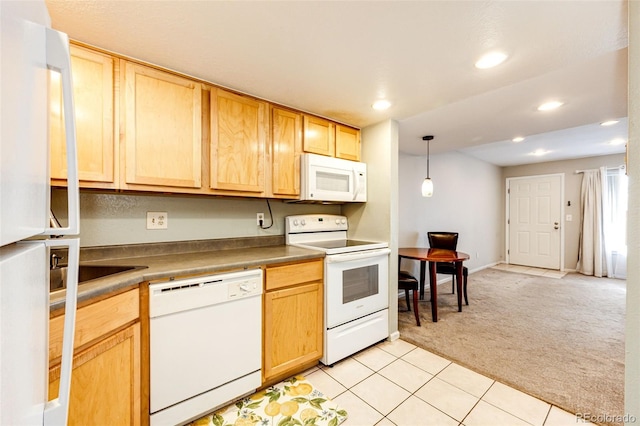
295 273
96 320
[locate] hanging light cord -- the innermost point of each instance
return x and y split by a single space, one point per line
428 139
428 143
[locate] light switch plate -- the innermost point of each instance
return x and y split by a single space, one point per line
157 220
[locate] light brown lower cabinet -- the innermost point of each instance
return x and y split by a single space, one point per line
105 380
293 319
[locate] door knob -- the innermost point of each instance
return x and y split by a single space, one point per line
556 227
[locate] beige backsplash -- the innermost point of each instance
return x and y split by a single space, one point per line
120 219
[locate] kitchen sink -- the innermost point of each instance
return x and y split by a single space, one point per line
86 273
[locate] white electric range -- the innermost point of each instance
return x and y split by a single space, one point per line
356 283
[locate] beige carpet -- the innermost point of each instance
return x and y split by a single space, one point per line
560 340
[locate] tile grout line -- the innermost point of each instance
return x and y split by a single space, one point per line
410 392
395 357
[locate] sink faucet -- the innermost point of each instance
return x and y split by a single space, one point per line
55 259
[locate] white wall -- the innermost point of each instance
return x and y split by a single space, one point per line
467 199
377 220
632 361
113 219
572 189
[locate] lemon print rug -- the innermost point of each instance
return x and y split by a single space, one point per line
291 402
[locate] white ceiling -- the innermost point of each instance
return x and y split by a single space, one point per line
334 58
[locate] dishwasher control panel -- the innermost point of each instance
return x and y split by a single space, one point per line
248 287
198 292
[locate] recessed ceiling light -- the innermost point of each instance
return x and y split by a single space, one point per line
491 60
381 104
539 152
617 141
518 139
609 123
548 106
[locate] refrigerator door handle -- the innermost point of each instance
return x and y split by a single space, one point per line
59 59
57 410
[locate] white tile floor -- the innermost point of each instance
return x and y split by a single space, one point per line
397 383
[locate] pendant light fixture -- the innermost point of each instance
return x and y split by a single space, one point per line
427 185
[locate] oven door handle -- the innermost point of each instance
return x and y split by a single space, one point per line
348 257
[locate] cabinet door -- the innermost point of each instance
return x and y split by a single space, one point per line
347 143
239 129
105 382
292 328
319 136
93 75
286 150
163 128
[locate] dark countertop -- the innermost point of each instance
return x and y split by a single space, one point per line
180 264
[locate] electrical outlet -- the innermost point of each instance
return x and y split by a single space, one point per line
260 218
157 220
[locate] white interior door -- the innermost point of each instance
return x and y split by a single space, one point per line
534 221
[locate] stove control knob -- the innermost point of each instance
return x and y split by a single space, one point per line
303 222
295 222
343 221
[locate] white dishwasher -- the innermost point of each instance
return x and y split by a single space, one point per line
205 343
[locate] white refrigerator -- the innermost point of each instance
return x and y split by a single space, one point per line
29 49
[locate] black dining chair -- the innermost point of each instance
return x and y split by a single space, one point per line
448 241
408 282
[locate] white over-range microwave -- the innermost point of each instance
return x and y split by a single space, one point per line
329 179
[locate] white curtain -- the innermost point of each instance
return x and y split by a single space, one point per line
591 252
614 211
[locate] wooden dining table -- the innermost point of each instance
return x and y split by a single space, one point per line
433 256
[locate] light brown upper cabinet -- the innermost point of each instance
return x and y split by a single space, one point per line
347 143
143 128
286 147
319 136
93 91
162 115
325 137
239 132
